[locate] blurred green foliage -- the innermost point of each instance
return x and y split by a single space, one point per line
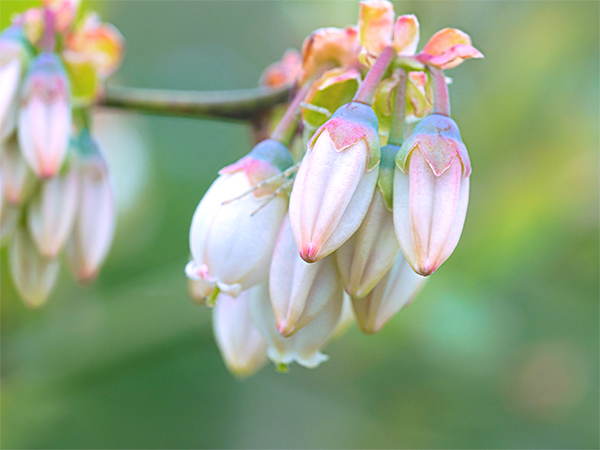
500 350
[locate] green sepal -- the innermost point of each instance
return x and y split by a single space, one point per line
385 180
274 153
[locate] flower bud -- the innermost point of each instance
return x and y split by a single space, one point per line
51 213
431 192
9 216
299 290
14 55
33 274
45 115
346 317
233 234
242 347
396 290
305 346
335 183
366 257
18 180
95 218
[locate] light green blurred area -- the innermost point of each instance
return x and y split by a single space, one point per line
500 350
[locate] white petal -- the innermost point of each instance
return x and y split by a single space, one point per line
424 210
367 256
330 197
299 290
51 213
94 226
235 245
34 275
17 179
305 346
10 79
242 347
392 293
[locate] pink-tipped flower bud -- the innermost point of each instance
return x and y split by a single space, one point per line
14 56
18 180
33 274
51 213
431 192
368 255
45 115
396 290
95 218
299 290
242 347
305 346
234 228
335 183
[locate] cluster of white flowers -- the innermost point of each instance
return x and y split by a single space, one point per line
55 190
370 214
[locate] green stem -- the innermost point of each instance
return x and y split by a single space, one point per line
367 88
237 105
288 123
398 127
441 97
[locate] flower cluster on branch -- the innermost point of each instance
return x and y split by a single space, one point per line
358 193
55 189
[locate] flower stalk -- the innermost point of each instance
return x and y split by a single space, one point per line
398 127
368 87
289 122
441 96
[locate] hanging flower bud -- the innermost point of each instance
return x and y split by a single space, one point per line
45 116
17 179
9 214
367 256
242 347
51 213
234 228
346 317
299 290
14 55
33 274
396 290
94 223
431 192
305 346
335 183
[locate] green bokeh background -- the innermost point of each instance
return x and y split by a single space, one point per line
500 350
